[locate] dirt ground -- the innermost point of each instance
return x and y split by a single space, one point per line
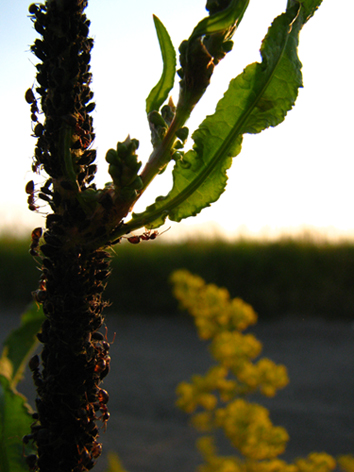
150 356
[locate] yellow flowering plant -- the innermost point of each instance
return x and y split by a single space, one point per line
217 400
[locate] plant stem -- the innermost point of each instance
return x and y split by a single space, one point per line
161 155
75 357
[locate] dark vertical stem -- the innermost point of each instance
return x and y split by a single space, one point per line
75 357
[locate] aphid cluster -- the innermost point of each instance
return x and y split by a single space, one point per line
63 70
70 400
75 356
93 409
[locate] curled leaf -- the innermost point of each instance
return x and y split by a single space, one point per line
160 92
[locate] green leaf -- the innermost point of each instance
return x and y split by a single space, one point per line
221 21
15 422
258 98
15 414
19 345
160 92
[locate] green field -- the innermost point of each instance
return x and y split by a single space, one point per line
296 277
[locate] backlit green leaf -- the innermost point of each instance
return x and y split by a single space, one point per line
258 98
161 90
19 345
15 422
15 417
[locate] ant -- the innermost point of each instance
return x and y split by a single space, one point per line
36 236
102 346
29 189
134 239
44 194
31 100
102 397
85 458
81 130
104 416
96 449
31 461
31 203
38 130
150 235
36 374
146 236
29 96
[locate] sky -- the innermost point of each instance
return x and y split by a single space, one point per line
293 179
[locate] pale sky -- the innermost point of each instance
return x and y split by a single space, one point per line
298 175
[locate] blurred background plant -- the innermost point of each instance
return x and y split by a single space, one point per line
218 400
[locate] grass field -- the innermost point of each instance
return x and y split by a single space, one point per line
287 276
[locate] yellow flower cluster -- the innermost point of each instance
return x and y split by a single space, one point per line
316 462
346 462
216 400
210 305
216 463
222 320
250 430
